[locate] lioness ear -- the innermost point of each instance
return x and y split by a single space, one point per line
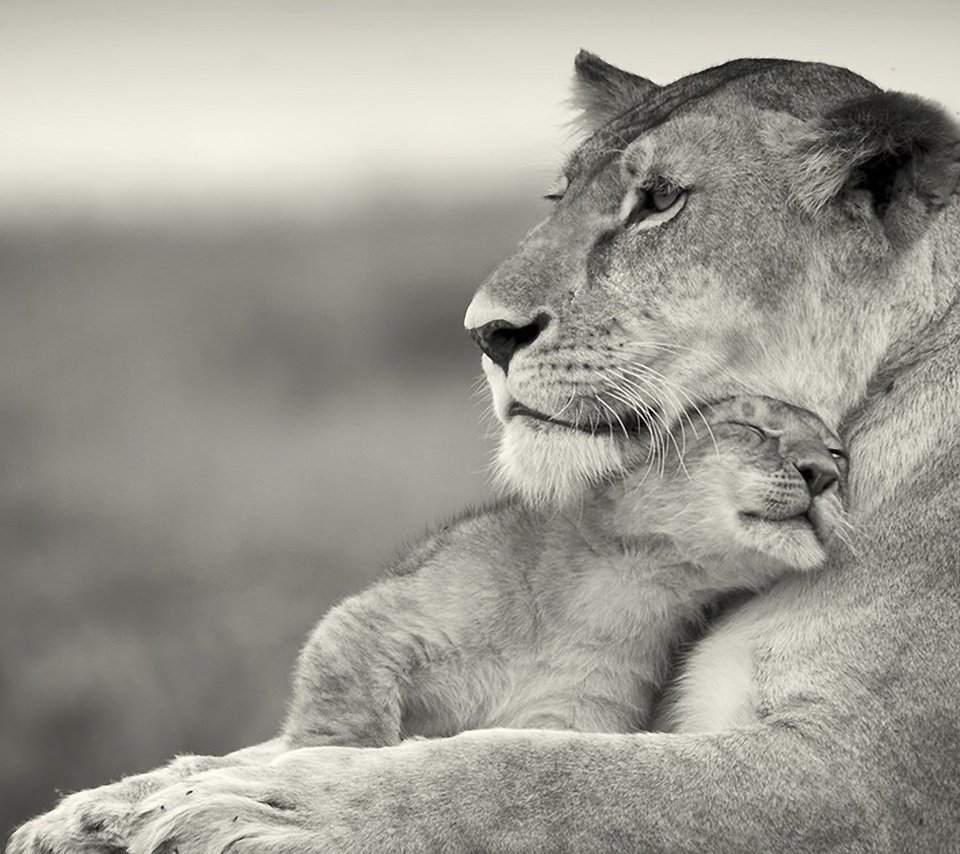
602 91
892 156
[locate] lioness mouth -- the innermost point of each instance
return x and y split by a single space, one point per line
801 522
630 423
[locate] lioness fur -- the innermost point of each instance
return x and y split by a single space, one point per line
765 227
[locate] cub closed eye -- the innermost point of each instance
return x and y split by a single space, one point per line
757 431
648 207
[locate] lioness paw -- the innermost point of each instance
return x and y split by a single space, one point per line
228 809
95 821
309 801
99 821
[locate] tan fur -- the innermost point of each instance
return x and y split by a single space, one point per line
837 728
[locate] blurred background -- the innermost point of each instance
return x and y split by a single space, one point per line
237 238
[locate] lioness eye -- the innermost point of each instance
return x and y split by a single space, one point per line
557 189
837 454
652 206
662 198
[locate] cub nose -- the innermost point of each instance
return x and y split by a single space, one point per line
500 339
818 469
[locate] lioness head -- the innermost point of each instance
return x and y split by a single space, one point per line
758 488
765 227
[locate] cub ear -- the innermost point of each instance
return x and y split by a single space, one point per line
891 156
602 91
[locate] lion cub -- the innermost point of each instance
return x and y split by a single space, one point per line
517 618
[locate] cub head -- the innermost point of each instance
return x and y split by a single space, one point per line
758 488
765 227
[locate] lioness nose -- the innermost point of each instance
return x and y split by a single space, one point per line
818 469
500 339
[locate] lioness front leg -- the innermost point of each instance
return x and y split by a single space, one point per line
764 788
100 820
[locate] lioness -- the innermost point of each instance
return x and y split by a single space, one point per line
764 227
479 627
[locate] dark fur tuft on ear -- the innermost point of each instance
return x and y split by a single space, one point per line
602 91
899 150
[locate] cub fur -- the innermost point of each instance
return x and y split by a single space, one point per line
573 630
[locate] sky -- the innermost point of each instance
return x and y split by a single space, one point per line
114 102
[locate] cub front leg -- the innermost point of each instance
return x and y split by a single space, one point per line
346 684
366 660
100 820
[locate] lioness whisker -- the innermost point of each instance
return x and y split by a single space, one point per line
631 384
693 405
642 409
613 412
565 406
671 398
639 371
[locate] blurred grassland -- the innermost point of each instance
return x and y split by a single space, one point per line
212 428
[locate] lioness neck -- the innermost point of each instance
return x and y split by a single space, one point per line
913 407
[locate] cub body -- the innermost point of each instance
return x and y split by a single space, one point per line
516 618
